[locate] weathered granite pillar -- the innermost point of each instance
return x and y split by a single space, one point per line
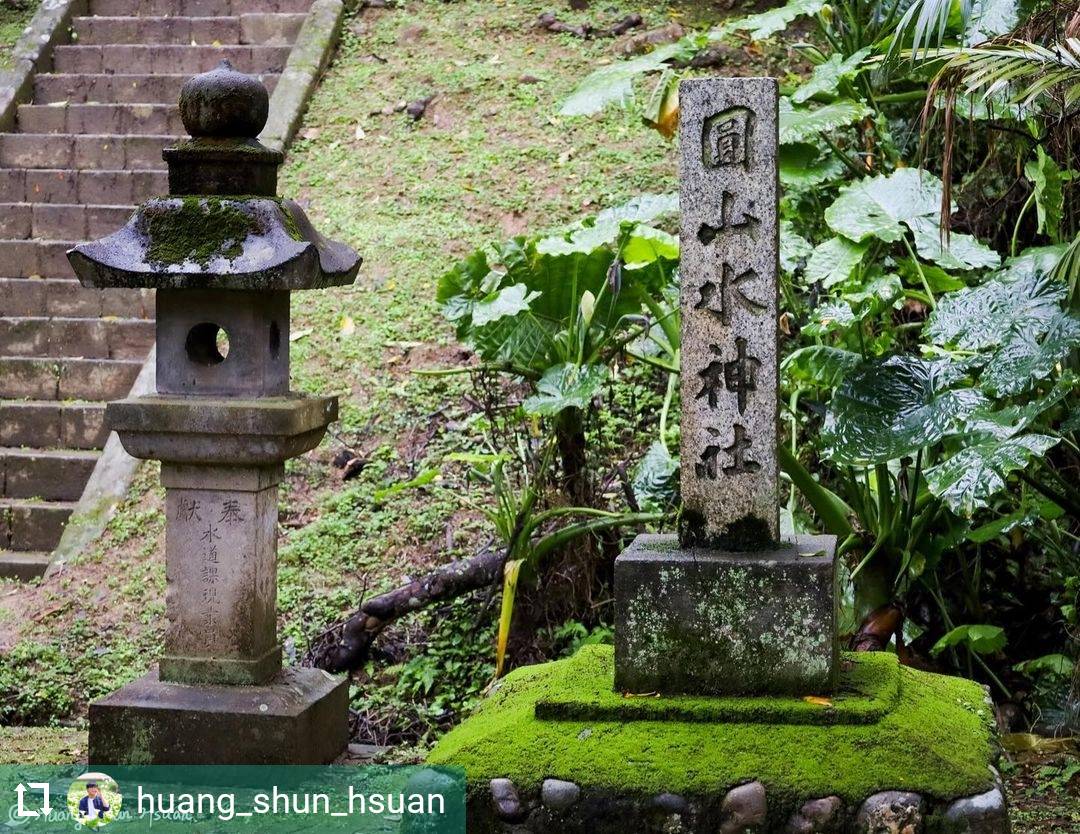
728 607
222 423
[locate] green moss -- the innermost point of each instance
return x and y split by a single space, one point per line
580 688
937 741
201 229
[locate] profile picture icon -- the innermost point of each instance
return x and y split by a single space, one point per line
94 799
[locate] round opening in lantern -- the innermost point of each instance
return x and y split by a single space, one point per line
207 344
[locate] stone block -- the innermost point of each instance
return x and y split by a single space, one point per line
221 574
15 222
301 718
56 186
699 621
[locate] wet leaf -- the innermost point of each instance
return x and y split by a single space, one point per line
803 124
794 248
889 409
969 479
614 84
765 24
803 166
833 261
879 206
962 251
565 386
820 365
1023 359
984 316
656 479
981 639
505 302
827 76
1049 199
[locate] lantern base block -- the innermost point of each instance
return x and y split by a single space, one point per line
299 718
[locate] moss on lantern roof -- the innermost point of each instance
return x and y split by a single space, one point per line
936 740
200 230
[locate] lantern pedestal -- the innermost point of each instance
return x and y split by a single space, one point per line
295 719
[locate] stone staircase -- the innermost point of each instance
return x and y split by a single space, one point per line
86 151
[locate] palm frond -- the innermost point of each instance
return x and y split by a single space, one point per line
926 21
1021 70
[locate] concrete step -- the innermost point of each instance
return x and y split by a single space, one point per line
83 338
32 525
107 187
141 119
43 221
194 8
46 474
41 258
47 424
85 152
34 378
251 29
67 298
167 59
76 88
23 565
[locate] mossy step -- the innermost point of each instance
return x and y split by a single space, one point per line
937 741
581 691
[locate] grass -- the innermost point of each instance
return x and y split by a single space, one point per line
12 22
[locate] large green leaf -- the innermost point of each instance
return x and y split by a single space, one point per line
566 386
794 248
802 166
959 252
830 316
646 245
879 206
614 84
656 480
508 301
768 23
990 18
887 410
805 124
969 479
981 639
833 261
1022 360
827 76
645 208
1049 199
820 365
984 316
1003 423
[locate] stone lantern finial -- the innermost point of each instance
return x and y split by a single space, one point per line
224 104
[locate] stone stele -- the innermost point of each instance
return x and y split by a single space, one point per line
728 607
222 422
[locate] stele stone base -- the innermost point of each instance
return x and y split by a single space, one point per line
555 750
299 718
701 621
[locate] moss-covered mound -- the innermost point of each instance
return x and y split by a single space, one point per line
580 688
937 740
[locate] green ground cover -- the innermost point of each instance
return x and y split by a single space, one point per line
936 741
13 19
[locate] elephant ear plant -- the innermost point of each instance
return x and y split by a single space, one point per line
562 313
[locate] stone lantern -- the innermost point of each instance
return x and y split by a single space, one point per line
223 253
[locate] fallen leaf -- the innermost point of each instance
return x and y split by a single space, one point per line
297 335
347 326
817 701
